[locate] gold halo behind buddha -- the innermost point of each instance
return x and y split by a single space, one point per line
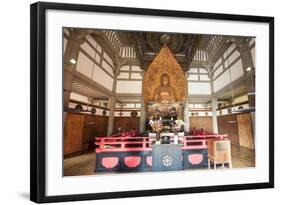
164 80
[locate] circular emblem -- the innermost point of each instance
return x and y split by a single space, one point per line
167 160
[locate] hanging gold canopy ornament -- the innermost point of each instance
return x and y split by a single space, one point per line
164 64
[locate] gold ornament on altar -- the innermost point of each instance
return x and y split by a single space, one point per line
156 125
164 80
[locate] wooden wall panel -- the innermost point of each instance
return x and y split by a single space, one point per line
127 123
201 122
80 129
73 132
245 130
227 124
96 126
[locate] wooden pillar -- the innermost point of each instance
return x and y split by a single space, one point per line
249 73
186 111
248 67
76 38
142 116
214 103
112 102
186 116
214 100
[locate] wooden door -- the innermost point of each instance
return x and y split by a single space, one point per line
95 126
73 133
227 124
245 130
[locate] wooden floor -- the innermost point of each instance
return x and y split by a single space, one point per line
85 163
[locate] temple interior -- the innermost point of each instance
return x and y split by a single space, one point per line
131 98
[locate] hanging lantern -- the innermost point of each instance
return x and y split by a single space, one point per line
78 108
93 111
134 113
104 112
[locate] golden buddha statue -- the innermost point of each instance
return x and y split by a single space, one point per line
164 93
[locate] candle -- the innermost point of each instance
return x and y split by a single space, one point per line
176 139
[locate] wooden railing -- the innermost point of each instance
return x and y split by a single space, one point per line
144 143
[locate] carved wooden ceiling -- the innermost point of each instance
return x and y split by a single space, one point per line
182 46
190 50
146 45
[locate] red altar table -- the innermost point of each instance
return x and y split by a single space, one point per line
129 152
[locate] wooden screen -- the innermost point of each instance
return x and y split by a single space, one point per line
201 122
80 129
227 124
245 130
126 123
73 132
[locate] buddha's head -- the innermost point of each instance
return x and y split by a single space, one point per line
165 79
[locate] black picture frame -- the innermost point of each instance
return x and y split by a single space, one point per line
38 100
